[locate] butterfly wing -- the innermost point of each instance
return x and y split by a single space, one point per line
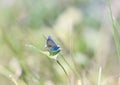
51 45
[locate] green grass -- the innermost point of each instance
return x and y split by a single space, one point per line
115 30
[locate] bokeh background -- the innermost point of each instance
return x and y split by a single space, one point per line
82 28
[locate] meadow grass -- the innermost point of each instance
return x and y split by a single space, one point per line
48 73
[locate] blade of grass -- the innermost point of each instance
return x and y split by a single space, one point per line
73 70
13 80
63 69
99 76
115 29
5 72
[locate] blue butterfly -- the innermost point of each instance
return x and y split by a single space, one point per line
51 46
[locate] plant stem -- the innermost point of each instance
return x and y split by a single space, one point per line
99 76
13 80
74 71
63 69
114 24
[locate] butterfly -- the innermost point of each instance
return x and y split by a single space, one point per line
51 46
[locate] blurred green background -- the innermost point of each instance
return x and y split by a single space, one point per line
82 28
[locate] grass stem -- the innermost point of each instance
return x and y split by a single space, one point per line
63 69
99 76
115 30
73 70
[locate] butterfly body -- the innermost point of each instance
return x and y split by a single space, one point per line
51 46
